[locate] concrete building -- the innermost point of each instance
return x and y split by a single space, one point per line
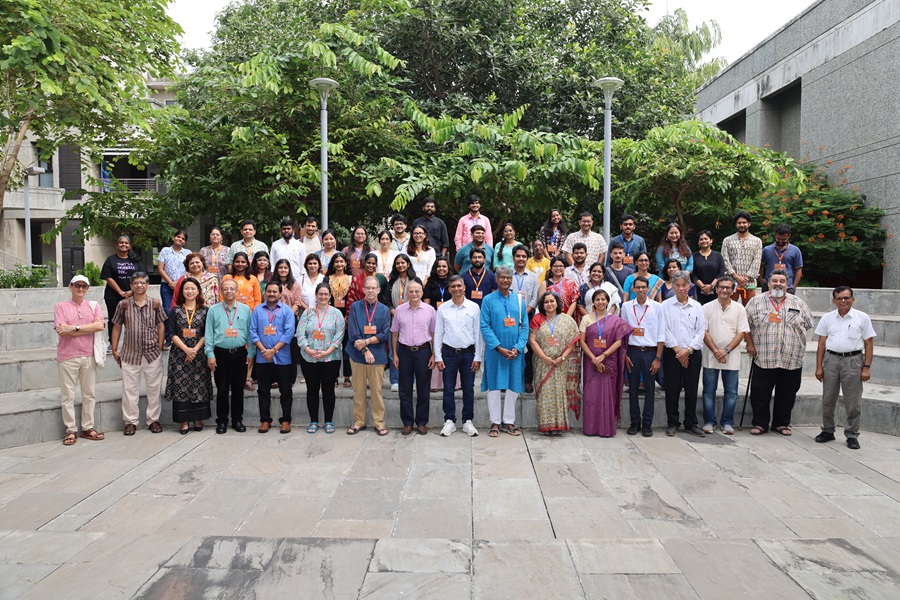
824 88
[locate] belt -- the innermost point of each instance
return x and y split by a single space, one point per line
843 354
468 350
416 348
230 350
642 348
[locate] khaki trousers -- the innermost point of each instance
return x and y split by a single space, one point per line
83 370
369 377
131 389
842 375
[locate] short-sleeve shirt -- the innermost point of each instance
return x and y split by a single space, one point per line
595 243
173 262
847 333
791 258
69 313
722 326
141 334
120 270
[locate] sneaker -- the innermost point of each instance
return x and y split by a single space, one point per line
394 387
647 431
709 428
825 436
671 430
448 428
853 443
728 430
469 429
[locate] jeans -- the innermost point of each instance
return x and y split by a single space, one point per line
393 372
729 395
166 293
462 364
414 366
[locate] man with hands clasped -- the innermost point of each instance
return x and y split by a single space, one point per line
411 334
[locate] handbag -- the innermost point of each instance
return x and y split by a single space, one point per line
100 342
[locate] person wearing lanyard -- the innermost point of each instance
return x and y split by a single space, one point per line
466 222
271 331
645 352
504 326
319 335
216 254
357 250
777 342
552 233
289 248
742 254
685 328
228 356
782 255
598 281
631 242
413 356
386 253
525 285
393 296
248 244
437 291
400 237
369 322
843 363
566 289
480 281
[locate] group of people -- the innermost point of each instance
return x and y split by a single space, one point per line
569 317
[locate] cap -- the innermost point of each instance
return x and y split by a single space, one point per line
80 279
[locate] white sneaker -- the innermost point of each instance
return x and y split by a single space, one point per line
394 387
708 428
449 427
469 428
728 430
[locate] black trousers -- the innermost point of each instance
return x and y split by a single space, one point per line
230 374
414 365
111 304
266 374
678 378
320 376
785 383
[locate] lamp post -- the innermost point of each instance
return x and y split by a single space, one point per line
28 174
324 86
609 85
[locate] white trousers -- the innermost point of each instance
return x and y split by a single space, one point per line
509 407
131 389
83 370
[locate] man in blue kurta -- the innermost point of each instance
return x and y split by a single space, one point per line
271 331
504 326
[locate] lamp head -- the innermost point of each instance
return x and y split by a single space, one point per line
323 84
609 85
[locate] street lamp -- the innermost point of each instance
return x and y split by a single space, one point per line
324 86
28 174
609 85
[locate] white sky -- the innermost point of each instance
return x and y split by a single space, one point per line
743 24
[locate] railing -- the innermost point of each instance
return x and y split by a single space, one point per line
8 261
140 185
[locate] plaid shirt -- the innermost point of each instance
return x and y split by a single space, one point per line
779 345
742 257
595 243
141 329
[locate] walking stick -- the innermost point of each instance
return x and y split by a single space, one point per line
746 395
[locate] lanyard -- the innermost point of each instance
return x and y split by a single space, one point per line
190 315
777 307
505 301
600 329
781 257
384 260
272 313
553 327
229 319
441 288
557 287
374 309
627 245
520 279
643 314
399 245
477 284
320 320
339 288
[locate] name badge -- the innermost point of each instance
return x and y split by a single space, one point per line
477 295
779 266
339 304
318 334
552 342
774 318
354 263
439 303
509 322
599 343
188 333
638 331
551 248
231 332
369 330
270 330
213 269
628 260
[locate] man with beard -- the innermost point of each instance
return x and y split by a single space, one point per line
479 281
434 227
290 249
782 255
479 242
742 253
578 271
777 342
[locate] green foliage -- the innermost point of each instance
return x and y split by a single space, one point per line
22 276
673 35
92 271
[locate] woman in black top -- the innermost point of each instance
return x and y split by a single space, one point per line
708 267
117 271
437 290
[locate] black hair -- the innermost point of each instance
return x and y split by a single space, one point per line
289 280
741 214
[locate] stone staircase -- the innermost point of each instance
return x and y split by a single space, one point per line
29 392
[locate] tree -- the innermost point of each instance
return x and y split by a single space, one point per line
74 71
674 36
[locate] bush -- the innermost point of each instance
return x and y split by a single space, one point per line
92 272
21 276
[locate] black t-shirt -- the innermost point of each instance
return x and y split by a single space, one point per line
433 292
119 269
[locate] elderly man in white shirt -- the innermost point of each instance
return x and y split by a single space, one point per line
458 351
645 352
685 329
843 363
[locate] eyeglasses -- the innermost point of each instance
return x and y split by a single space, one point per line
80 286
134 283
844 299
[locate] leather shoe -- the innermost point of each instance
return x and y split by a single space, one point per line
264 427
423 429
634 429
647 431
407 429
853 443
239 427
694 430
155 427
285 427
221 428
529 388
671 430
130 429
825 436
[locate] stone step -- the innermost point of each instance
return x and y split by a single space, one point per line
33 417
35 369
885 364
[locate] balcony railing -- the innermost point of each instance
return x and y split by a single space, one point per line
140 185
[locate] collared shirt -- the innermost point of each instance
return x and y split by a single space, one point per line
218 319
282 319
436 230
633 247
462 258
847 333
399 246
69 313
526 286
464 230
791 258
330 324
485 284
458 327
295 253
779 345
579 277
239 246
141 329
722 326
651 320
308 287
173 262
685 323
742 256
361 315
415 325
595 243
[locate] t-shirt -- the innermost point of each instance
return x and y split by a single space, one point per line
120 270
538 267
790 257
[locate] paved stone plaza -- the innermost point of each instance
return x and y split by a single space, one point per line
337 516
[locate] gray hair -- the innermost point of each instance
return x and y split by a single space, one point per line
683 276
781 272
504 270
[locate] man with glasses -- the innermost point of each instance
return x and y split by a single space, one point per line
411 334
843 363
645 351
369 324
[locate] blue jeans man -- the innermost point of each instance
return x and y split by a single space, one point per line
458 363
730 393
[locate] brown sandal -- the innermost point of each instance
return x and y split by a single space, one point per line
347 382
785 431
92 434
495 430
70 439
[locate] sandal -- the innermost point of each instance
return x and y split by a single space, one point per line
354 430
511 429
92 434
495 430
329 427
70 439
757 430
785 431
382 432
313 427
198 425
347 382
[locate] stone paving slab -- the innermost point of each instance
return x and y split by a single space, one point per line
336 516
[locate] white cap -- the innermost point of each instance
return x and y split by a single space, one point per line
80 279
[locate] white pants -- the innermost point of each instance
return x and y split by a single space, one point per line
83 370
509 408
131 389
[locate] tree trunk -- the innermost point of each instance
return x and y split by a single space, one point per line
9 162
679 213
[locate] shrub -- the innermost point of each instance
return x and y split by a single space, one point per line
92 272
22 276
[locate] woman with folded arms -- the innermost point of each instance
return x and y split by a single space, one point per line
320 333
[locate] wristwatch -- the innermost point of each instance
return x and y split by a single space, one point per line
78 328
658 357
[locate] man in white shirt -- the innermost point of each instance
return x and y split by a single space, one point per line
458 351
685 329
726 324
596 245
645 351
290 248
311 240
843 363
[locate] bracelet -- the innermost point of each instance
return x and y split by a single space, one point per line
867 366
659 358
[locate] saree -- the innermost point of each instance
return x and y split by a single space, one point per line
602 394
556 388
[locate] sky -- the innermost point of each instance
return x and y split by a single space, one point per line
743 24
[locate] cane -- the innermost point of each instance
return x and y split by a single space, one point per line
746 395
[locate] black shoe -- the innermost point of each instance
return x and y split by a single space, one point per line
647 431
239 427
853 443
634 429
221 427
671 430
825 436
694 430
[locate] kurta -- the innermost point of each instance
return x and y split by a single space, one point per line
499 372
603 391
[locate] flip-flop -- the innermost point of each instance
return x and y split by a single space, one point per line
329 427
70 439
354 430
313 427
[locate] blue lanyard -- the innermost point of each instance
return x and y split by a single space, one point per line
505 302
600 329
553 327
442 288
520 279
627 245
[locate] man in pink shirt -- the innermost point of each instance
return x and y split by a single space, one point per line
76 321
466 222
411 335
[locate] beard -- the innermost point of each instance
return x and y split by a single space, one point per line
777 293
